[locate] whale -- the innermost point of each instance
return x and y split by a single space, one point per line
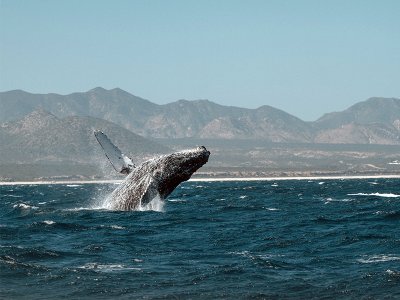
156 177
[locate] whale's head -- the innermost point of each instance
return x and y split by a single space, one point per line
178 167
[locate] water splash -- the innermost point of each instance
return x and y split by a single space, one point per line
156 204
104 201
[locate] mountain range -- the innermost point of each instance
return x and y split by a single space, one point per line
65 145
374 121
50 136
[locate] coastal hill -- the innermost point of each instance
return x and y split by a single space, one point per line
42 144
375 121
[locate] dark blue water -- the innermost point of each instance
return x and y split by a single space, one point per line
286 239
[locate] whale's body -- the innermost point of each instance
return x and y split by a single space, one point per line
155 177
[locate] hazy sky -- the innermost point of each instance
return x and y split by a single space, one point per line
305 57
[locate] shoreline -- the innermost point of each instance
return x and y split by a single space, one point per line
222 179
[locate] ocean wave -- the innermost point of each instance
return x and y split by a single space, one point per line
113 227
108 267
383 195
328 200
272 208
24 206
84 208
177 200
49 222
393 273
378 258
265 260
13 263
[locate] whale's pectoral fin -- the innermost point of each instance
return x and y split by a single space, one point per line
149 189
120 162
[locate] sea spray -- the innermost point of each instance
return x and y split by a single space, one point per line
103 200
157 204
101 197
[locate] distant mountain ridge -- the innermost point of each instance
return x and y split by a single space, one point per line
374 110
376 120
41 136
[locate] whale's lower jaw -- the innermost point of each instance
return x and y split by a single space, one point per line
157 177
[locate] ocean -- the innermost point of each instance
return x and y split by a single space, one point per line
287 239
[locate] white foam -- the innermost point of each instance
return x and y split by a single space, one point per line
387 195
107 267
49 222
73 185
391 272
117 227
83 208
378 258
24 206
328 200
176 200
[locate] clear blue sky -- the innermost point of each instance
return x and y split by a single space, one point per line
305 57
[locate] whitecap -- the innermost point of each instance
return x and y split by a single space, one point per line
242 197
83 208
117 227
271 208
24 206
49 222
328 200
176 200
393 273
383 195
107 267
73 185
378 258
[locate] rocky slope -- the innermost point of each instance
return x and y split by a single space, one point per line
41 136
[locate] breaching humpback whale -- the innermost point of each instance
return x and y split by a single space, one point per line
156 177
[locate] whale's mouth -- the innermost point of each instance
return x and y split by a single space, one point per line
204 149
203 156
179 167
